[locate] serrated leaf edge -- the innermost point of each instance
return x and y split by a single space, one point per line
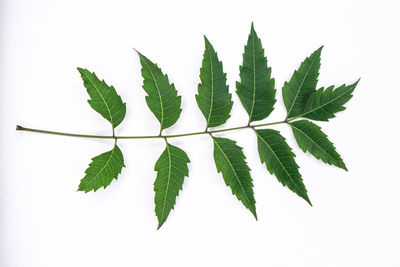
105 165
352 87
339 164
158 89
301 84
166 190
236 176
305 196
102 97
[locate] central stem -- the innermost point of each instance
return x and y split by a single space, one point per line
20 128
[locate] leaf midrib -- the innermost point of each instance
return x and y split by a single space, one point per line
169 179
301 85
254 79
212 86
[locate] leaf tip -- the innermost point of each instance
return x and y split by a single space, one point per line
253 211
19 128
356 83
160 223
80 69
308 200
344 167
207 42
137 51
81 189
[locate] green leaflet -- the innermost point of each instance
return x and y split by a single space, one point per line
256 89
102 170
104 98
230 160
296 92
213 98
310 138
279 159
162 97
323 104
171 169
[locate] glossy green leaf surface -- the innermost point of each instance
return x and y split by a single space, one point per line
213 98
323 104
279 159
162 97
171 167
310 138
102 170
256 89
231 162
303 82
103 98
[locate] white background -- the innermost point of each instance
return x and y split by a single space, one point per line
46 222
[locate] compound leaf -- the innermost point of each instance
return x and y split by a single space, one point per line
310 138
102 170
323 104
171 169
213 98
162 97
230 160
256 89
279 159
104 98
296 92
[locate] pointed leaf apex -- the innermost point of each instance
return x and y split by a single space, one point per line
308 200
254 213
253 32
140 54
208 44
159 225
81 70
